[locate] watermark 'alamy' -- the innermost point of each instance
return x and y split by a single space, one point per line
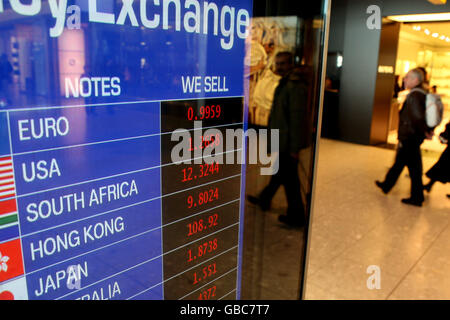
74 277
213 150
63 14
374 281
374 20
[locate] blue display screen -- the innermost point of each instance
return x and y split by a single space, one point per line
93 201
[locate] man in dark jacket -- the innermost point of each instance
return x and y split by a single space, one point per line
411 133
288 115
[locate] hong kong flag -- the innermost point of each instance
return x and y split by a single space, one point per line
11 264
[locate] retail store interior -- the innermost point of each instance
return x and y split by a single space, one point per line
425 44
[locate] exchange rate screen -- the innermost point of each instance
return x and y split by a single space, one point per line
120 159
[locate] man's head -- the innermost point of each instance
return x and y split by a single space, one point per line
284 62
414 78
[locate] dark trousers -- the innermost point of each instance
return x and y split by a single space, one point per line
287 176
408 154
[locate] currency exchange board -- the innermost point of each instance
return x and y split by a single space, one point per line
109 112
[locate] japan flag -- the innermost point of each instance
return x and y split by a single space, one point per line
14 290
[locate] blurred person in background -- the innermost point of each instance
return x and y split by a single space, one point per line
440 172
412 132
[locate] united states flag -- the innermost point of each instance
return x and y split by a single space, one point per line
9 228
7 189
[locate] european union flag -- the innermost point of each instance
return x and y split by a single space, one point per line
4 135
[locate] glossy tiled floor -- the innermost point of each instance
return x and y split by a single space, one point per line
355 226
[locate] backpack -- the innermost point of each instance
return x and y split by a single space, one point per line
434 108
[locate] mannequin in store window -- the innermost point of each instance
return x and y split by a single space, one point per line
412 132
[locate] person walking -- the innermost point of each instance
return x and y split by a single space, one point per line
441 170
288 115
412 132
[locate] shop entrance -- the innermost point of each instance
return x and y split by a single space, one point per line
404 46
425 45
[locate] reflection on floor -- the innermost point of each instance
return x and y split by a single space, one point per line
355 226
272 252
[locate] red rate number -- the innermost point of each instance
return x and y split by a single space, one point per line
200 171
206 273
201 225
202 250
204 113
203 198
204 142
208 293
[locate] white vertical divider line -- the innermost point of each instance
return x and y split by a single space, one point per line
161 198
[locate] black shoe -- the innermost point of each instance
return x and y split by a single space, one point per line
257 201
412 202
382 187
291 222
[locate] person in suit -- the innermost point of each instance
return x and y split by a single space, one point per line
412 132
288 115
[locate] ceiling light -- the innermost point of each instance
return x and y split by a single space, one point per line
421 17
447 39
438 2
442 37
435 35
427 31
